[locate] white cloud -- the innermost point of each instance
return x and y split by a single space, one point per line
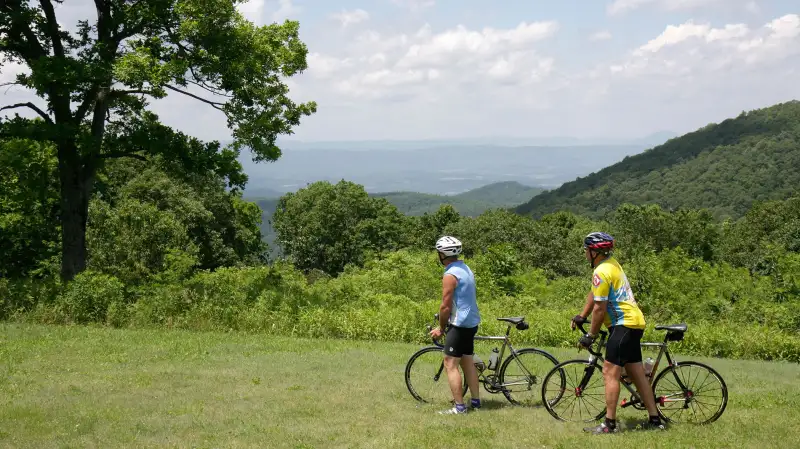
10 69
428 64
285 10
623 6
351 17
415 5
600 36
322 66
453 46
252 10
696 48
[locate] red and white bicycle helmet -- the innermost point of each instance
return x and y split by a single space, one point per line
599 241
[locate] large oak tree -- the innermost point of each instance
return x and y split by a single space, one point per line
97 83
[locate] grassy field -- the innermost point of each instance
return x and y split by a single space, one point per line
92 387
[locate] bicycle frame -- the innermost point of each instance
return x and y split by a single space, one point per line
500 357
596 356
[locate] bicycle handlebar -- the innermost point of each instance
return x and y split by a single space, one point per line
430 328
602 333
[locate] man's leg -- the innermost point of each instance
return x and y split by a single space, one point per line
612 369
471 373
636 372
611 375
454 378
635 369
453 352
468 366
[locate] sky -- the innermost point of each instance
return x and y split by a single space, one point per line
441 69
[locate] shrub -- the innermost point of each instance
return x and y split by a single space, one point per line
87 297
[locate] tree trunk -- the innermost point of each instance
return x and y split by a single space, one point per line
75 193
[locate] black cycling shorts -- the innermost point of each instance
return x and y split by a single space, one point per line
460 341
623 345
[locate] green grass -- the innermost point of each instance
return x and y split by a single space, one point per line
96 387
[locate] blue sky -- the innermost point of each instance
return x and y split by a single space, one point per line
678 86
417 69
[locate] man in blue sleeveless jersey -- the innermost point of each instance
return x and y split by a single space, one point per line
459 309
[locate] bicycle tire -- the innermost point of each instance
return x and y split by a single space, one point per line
559 368
712 371
414 358
516 355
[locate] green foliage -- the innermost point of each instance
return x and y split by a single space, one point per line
430 227
329 226
132 240
97 82
724 168
29 230
650 228
87 298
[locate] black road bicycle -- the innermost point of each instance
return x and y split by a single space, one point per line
516 376
685 392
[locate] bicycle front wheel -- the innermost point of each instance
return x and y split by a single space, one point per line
521 374
574 391
426 378
690 392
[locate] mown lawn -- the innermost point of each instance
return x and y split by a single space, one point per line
93 387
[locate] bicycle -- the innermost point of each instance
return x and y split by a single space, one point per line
496 377
683 396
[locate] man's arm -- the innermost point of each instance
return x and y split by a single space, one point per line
449 284
598 314
587 308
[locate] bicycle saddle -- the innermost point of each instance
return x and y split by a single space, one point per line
673 327
513 319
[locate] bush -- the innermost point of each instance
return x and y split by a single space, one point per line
87 297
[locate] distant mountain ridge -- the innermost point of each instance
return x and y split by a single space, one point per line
470 203
722 167
652 139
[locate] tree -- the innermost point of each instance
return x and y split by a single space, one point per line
98 80
28 206
429 227
327 226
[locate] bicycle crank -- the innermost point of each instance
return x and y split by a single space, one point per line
492 385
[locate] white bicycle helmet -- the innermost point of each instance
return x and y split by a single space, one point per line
449 246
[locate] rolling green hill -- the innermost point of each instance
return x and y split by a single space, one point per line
470 203
723 167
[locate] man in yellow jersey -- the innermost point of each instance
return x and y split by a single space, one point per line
611 303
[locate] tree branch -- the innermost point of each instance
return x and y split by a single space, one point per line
91 96
119 154
208 88
31 49
32 106
52 27
213 104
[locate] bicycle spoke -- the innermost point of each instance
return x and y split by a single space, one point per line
573 403
521 376
703 395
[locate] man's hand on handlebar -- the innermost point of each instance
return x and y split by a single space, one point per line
576 320
586 341
436 334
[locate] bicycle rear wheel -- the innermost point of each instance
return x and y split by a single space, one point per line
426 378
574 391
690 392
521 372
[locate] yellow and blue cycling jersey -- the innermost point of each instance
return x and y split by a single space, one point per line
609 283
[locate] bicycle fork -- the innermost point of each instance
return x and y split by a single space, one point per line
587 375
